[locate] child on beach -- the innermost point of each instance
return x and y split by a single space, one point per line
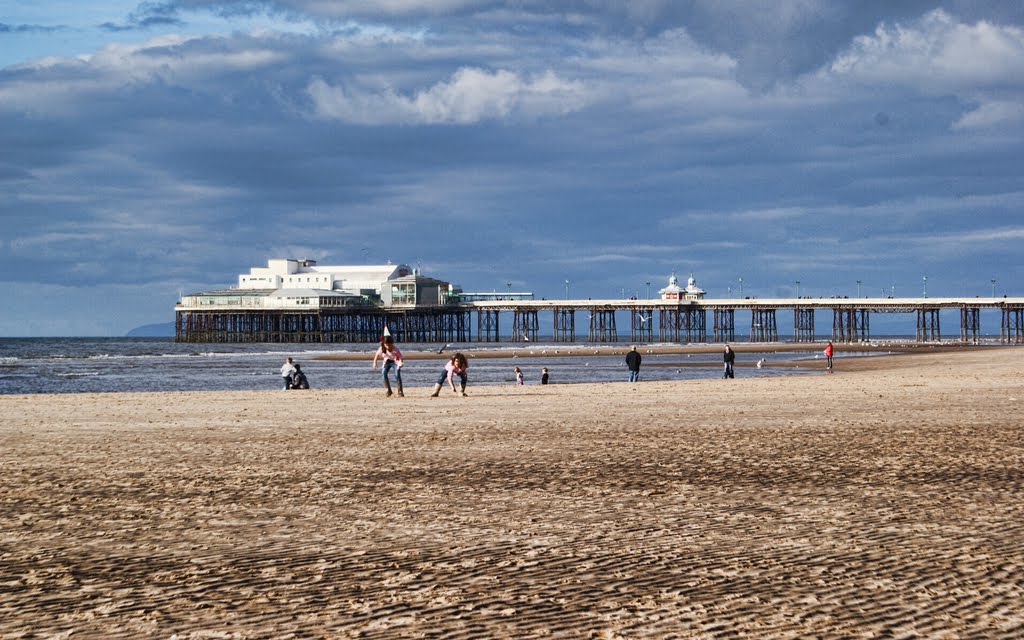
828 355
519 375
287 369
544 375
392 358
456 366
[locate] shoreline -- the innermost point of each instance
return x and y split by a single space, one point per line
869 354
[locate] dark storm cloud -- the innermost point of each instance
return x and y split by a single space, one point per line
148 16
770 41
28 28
643 140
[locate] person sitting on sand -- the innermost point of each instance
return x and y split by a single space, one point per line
456 366
392 358
519 375
299 380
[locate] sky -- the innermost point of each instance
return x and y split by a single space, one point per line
158 148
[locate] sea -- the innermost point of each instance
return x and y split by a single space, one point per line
87 365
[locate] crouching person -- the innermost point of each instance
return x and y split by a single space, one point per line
456 366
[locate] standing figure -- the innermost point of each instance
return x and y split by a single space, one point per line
287 369
456 366
729 357
544 375
828 355
519 375
633 362
392 358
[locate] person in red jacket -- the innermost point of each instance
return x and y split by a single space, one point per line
828 354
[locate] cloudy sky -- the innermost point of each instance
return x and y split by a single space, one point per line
154 148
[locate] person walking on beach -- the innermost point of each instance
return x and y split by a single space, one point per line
633 362
729 357
456 366
544 375
392 358
287 369
519 375
828 355
299 380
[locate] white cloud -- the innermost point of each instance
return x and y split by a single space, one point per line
937 55
992 114
59 85
471 95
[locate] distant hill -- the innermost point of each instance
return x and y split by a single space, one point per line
162 330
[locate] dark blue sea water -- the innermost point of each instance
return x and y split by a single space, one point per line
75 365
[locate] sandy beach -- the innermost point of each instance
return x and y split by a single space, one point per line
883 500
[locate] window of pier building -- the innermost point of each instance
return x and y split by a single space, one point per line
403 293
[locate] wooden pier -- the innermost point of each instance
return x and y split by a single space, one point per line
677 321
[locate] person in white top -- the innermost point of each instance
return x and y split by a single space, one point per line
287 369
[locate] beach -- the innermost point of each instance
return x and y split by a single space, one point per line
885 499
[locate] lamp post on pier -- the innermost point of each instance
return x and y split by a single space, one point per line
993 287
741 286
797 289
924 279
858 288
509 289
648 283
566 288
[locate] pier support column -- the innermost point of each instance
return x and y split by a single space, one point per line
668 324
970 324
695 327
487 325
602 325
724 329
763 327
850 324
803 325
565 324
452 326
641 325
1012 325
928 325
524 325
862 324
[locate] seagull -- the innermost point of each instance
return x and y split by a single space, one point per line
760 363
447 344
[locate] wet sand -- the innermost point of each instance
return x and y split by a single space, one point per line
883 500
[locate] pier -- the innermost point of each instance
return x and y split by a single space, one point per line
644 321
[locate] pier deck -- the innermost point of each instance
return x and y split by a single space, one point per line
682 321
